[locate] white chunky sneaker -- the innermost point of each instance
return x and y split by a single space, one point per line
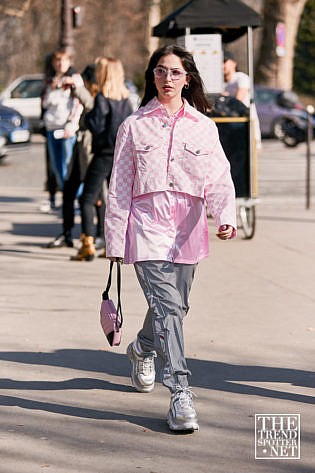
182 414
143 370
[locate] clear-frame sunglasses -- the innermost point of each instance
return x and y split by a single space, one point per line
175 74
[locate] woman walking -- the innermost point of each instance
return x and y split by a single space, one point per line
111 107
168 166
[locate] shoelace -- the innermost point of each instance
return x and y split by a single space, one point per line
185 397
146 365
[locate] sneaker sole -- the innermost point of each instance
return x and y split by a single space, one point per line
185 426
139 387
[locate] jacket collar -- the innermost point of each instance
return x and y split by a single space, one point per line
155 105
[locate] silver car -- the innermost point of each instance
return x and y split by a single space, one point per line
24 95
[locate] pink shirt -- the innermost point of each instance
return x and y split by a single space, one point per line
164 172
168 226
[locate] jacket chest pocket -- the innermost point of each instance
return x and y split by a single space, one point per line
194 159
148 156
193 150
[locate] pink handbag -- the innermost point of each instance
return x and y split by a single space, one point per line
111 318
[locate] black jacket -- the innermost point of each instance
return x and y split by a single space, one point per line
104 120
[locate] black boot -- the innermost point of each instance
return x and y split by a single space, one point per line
65 239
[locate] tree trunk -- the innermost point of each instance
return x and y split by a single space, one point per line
154 17
275 65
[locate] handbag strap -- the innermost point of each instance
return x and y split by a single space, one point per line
105 295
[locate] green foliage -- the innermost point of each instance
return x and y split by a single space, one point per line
304 64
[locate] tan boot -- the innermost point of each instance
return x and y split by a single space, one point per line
87 250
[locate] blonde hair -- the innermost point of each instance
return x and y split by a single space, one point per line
110 78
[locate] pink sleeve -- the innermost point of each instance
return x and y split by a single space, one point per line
120 194
219 188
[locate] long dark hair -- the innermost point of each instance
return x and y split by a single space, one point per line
194 94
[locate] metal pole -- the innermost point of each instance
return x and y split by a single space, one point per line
252 154
66 34
310 111
250 60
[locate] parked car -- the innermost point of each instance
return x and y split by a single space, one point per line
23 94
295 130
14 130
3 149
273 105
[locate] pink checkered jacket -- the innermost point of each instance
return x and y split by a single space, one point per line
151 156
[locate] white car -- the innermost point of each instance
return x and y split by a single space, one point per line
24 95
3 149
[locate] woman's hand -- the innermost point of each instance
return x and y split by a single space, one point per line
68 81
226 232
69 130
116 258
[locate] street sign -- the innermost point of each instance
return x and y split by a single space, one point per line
207 52
280 39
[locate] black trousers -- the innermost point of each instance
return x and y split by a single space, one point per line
71 187
99 169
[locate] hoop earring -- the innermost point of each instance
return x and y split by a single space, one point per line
186 86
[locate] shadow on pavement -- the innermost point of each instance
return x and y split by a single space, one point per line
233 378
84 360
36 229
206 374
49 230
50 255
157 425
75 383
10 199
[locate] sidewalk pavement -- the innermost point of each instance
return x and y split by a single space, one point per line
66 403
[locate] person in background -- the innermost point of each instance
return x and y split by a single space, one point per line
237 84
61 118
111 107
169 166
81 157
51 186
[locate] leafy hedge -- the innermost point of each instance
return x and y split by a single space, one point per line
304 64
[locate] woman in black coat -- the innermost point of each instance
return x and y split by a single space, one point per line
111 107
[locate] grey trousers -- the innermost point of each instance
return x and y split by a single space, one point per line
166 287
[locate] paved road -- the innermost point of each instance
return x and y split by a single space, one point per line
282 172
66 405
